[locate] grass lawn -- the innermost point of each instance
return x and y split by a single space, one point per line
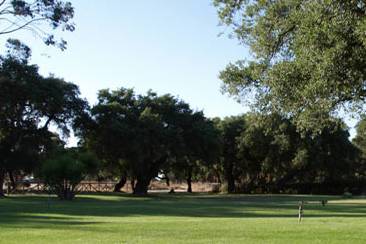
181 218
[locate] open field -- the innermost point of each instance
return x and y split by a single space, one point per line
181 218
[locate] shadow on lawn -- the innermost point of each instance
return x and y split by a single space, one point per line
44 221
40 210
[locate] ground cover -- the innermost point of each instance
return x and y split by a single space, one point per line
181 218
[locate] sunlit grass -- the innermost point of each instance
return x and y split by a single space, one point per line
181 218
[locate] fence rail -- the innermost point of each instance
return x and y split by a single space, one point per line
108 186
84 186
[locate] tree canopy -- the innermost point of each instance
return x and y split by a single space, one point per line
308 61
266 154
141 136
65 169
29 104
230 130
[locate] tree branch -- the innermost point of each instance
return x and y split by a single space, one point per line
22 26
48 122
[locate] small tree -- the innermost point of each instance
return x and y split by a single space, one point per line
64 171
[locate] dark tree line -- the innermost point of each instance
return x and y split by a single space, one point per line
266 154
128 136
139 137
308 63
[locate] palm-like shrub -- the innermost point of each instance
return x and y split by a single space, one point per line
65 170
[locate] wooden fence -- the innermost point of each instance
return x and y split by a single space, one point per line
84 186
108 186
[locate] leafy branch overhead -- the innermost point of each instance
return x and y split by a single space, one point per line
309 57
34 16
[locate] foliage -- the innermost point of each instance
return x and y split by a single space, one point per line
140 135
230 129
199 148
267 148
266 154
360 142
308 57
29 105
64 170
17 15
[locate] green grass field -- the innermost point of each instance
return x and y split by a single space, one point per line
181 218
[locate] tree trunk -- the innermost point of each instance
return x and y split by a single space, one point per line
12 181
189 181
120 184
67 194
66 191
2 178
141 186
230 184
230 178
133 184
218 177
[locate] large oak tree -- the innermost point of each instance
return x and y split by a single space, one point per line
309 57
140 136
29 104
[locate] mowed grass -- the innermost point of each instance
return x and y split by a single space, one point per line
181 218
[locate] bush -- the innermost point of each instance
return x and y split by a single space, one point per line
65 170
347 195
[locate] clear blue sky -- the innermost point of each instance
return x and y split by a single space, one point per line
169 46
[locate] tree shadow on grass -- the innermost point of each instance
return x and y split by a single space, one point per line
39 210
46 220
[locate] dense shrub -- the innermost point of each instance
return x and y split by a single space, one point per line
62 172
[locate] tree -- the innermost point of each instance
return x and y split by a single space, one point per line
17 15
267 147
360 142
29 104
309 57
135 135
330 162
64 170
199 146
106 135
231 128
266 154
360 138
